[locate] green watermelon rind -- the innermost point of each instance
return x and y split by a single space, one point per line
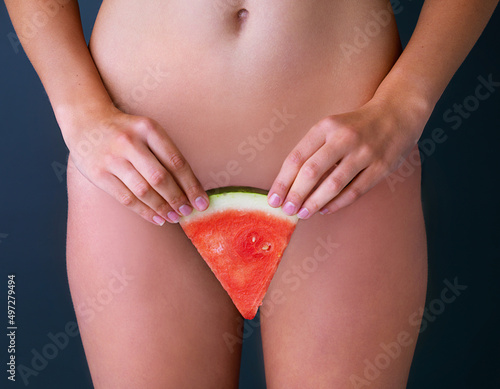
236 189
243 198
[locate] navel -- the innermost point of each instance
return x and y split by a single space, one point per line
242 15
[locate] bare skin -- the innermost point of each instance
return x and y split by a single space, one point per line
172 99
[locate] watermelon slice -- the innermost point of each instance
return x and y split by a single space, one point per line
242 239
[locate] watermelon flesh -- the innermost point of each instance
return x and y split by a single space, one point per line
242 239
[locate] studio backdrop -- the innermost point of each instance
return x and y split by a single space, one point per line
459 341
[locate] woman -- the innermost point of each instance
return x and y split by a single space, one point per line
312 100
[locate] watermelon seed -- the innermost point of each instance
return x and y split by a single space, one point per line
253 239
266 247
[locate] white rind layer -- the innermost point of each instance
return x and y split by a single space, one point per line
241 201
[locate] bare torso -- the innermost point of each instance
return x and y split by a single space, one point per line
214 73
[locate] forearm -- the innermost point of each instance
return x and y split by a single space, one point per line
59 54
445 33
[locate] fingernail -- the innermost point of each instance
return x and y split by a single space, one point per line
303 213
289 208
185 209
324 211
274 200
174 218
159 220
201 203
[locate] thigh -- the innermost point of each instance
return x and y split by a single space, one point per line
150 312
344 307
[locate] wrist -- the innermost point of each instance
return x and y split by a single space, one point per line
72 115
76 120
77 96
404 98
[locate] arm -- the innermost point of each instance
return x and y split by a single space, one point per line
445 34
131 158
369 143
59 54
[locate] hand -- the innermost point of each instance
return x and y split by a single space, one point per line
133 159
342 157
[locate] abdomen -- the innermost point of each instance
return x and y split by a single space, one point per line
236 90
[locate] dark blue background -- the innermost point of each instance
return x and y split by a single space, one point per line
459 349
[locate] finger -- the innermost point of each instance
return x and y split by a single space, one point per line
135 151
172 159
117 189
135 182
361 184
311 143
332 185
308 177
146 163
